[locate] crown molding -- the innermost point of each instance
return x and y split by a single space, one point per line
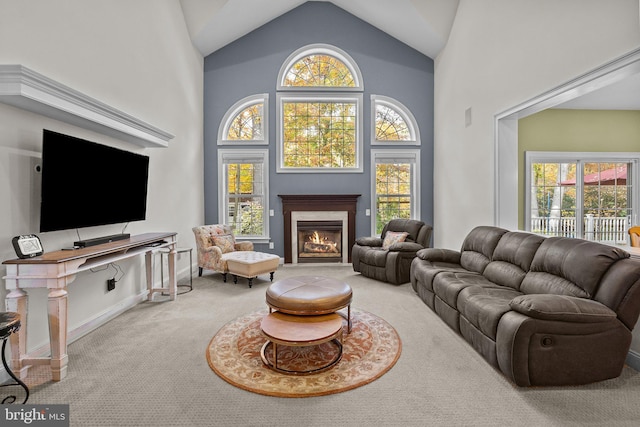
26 89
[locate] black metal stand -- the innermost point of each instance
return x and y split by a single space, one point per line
10 323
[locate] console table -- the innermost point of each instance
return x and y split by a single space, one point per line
54 271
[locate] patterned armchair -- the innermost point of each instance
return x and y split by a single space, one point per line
212 241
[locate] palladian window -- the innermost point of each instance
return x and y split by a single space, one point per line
319 108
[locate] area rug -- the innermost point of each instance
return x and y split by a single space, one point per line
369 351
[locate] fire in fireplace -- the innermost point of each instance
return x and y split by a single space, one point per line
319 241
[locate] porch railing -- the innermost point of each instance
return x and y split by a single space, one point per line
600 229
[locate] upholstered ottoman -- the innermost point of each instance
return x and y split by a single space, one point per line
310 296
250 264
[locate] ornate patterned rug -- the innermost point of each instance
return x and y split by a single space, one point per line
369 351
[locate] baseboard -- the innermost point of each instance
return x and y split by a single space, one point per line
633 360
44 349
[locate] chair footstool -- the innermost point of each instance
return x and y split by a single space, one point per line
250 264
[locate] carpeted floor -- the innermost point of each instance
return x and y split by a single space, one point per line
148 367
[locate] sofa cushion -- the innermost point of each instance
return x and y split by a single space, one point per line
478 246
562 308
560 267
393 237
225 242
376 257
512 258
483 307
448 284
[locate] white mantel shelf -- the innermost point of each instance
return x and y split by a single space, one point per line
26 89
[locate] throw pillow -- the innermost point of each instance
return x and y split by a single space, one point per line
393 237
225 242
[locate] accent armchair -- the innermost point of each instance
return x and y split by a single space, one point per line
388 258
212 241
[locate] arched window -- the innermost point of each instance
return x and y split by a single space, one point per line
318 67
246 122
392 122
319 112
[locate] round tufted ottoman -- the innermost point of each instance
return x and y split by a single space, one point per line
310 296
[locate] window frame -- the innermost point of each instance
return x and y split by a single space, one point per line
580 158
412 155
237 108
403 112
320 49
227 156
282 98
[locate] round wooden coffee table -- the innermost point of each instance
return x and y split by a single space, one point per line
300 331
310 296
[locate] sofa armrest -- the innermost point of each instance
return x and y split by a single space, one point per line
562 308
369 241
405 247
442 255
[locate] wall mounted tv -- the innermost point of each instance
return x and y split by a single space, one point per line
86 184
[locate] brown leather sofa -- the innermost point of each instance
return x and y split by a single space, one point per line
544 311
391 264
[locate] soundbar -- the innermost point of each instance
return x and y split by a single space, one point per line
100 240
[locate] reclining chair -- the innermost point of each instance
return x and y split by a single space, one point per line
388 258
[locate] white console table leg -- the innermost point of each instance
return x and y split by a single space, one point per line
57 307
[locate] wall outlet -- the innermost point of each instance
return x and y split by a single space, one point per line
270 245
271 212
111 284
367 212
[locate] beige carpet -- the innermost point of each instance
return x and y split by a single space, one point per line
146 368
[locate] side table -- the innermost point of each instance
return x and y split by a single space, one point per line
164 252
10 323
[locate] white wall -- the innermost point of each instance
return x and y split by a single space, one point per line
501 53
135 56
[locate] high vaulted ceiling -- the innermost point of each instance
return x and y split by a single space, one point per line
422 24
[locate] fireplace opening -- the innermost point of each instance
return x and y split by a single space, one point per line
319 241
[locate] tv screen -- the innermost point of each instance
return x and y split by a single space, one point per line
86 184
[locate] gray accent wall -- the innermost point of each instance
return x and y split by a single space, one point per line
250 66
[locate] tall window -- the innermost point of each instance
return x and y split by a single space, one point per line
586 195
319 112
243 190
392 123
396 186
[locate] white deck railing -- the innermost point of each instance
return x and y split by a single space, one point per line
600 229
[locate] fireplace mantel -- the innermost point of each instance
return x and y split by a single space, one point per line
318 202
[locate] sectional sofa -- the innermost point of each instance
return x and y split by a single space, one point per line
544 311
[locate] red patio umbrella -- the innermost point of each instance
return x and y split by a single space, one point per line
606 177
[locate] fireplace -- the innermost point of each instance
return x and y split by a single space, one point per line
318 228
319 241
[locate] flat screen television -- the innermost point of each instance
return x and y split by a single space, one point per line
86 184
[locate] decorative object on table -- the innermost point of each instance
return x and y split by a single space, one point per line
27 246
369 351
9 324
388 258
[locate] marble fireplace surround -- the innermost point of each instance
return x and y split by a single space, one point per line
305 207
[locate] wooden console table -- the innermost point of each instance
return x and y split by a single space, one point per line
54 271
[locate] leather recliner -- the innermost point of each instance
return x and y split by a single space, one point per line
391 264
